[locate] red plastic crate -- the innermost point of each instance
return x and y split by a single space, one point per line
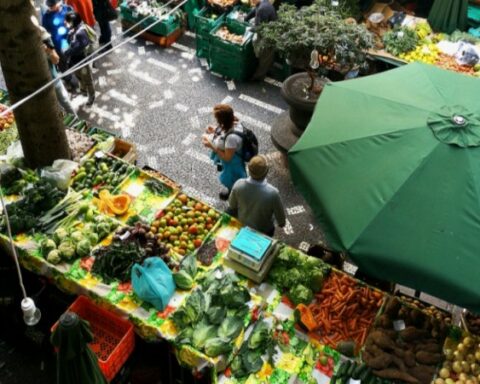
113 337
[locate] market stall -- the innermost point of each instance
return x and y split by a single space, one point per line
402 38
303 320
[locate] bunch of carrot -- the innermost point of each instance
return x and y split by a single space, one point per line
344 310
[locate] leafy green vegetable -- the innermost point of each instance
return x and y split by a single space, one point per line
234 296
400 40
237 368
300 294
216 314
252 361
259 336
183 280
189 265
185 336
230 328
216 346
203 332
463 36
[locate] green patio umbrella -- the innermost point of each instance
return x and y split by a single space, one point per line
448 15
76 362
390 165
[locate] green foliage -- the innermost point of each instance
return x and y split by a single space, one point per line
203 332
296 33
216 314
230 328
400 40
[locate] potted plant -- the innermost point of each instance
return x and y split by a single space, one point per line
316 39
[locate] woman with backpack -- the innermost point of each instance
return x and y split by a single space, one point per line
226 146
79 43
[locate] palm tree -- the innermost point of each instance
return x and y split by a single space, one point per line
25 69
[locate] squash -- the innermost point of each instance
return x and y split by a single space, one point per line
116 204
306 317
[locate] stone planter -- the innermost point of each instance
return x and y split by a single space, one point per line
289 126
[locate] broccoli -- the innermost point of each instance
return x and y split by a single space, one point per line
53 257
292 277
315 277
277 275
66 250
300 294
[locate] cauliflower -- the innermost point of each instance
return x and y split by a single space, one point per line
53 257
66 250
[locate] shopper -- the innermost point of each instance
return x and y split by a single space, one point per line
53 20
85 9
53 59
263 12
79 42
226 146
102 10
254 201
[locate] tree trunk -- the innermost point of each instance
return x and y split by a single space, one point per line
25 69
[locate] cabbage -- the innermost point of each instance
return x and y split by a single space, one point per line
216 314
46 246
203 332
230 328
189 265
259 336
216 346
53 257
183 280
66 250
59 235
76 237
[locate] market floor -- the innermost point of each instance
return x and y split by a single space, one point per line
161 99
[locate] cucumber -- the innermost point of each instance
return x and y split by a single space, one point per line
358 371
344 368
350 370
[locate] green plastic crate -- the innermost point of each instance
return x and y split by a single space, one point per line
280 70
203 46
164 28
204 23
231 60
231 19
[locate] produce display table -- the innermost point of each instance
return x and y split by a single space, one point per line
300 324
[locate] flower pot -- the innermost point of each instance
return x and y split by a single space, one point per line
301 101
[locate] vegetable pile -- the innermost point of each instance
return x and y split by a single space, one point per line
76 241
37 200
427 53
185 275
158 188
402 40
6 121
351 370
79 143
449 63
225 34
101 170
410 354
184 224
249 358
343 311
14 179
298 275
430 310
462 364
213 315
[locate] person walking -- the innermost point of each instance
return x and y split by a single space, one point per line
226 147
255 202
85 9
53 59
102 10
263 12
79 41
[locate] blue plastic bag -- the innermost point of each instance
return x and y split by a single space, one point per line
153 282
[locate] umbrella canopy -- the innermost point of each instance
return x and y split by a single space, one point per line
448 15
390 165
76 362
